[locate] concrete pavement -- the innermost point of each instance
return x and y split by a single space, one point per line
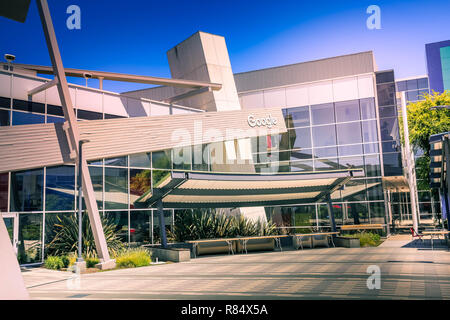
407 272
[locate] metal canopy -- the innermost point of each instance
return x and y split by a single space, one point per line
186 189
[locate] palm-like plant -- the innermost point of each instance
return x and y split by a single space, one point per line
65 240
202 224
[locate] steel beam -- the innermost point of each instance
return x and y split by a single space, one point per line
181 83
331 212
43 87
73 133
162 224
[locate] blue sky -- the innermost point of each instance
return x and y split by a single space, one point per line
133 36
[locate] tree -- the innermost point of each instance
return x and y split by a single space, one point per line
424 122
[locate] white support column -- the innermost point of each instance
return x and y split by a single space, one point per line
12 286
73 134
410 167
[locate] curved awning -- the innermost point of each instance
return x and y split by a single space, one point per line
186 189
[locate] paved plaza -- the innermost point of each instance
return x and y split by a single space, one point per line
409 270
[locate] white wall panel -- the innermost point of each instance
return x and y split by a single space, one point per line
252 100
321 92
345 89
137 108
159 110
21 86
365 86
275 98
5 85
89 100
115 105
52 96
297 96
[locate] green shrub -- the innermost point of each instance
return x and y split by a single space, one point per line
65 240
132 258
202 224
66 261
54 263
366 239
91 262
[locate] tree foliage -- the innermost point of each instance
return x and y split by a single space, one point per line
424 122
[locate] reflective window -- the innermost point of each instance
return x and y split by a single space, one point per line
300 138
372 166
348 133
322 113
298 117
4 117
296 166
411 84
389 129
374 189
20 118
116 188
27 190
401 86
159 176
5 102
51 119
329 152
182 158
141 226
386 94
89 115
304 215
4 192
350 150
55 110
326 164
347 111
200 157
392 164
98 162
161 160
140 160
60 188
384 76
377 212
302 154
354 190
422 83
168 220
391 146
357 213
351 162
369 129
28 106
120 220
385 112
117 162
140 185
324 136
367 108
96 174
30 238
412 95
422 94
112 116
371 148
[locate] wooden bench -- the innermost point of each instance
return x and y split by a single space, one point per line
231 242
373 226
297 238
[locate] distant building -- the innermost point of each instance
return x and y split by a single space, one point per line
438 64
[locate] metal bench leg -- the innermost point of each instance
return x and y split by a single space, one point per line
230 247
278 241
301 243
332 241
244 244
194 249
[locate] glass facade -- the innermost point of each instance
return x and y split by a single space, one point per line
319 137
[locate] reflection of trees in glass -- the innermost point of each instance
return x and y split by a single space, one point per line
159 175
140 181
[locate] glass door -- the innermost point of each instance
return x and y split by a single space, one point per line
12 225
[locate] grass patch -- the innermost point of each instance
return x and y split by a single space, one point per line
54 263
366 239
132 258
